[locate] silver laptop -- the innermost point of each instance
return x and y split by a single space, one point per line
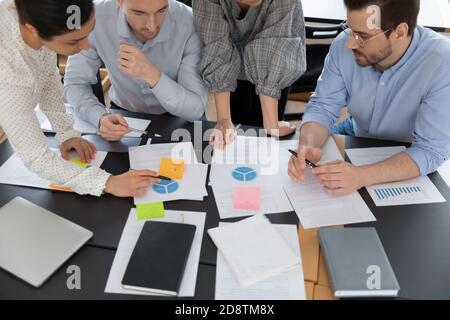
34 242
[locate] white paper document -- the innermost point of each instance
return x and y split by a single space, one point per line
129 239
314 206
191 187
415 191
288 285
87 128
254 250
444 172
248 163
14 172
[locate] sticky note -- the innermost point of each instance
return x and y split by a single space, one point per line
79 163
58 188
247 198
171 168
150 211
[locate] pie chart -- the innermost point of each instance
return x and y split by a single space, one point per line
244 174
166 187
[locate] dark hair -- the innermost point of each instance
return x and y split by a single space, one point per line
50 17
393 12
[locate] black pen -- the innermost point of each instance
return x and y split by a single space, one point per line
309 163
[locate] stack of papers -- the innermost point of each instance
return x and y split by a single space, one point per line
444 172
288 285
254 250
314 206
246 180
191 187
128 241
87 128
14 172
416 191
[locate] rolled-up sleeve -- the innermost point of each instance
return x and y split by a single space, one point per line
186 98
276 57
81 74
431 139
221 61
331 94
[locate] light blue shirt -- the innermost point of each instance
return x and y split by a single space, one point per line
176 51
409 102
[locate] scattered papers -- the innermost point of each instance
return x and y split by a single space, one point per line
416 191
288 285
248 163
130 236
87 128
14 172
314 206
191 187
253 250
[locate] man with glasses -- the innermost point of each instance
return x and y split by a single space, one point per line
394 77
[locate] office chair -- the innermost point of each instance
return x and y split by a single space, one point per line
315 57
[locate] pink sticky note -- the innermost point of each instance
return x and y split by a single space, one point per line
247 198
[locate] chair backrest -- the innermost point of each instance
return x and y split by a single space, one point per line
315 56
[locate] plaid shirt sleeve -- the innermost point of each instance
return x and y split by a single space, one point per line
221 60
276 58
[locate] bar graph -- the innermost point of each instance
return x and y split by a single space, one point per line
390 193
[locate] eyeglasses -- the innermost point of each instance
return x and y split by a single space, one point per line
359 40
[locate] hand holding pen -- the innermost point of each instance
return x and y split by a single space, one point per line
305 157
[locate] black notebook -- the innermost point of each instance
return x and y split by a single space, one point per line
159 259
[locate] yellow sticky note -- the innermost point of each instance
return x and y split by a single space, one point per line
150 211
172 169
79 163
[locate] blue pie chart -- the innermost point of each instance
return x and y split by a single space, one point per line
166 187
244 174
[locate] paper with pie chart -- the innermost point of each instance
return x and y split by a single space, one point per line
192 185
246 189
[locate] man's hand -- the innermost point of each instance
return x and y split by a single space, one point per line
340 178
85 149
297 165
134 183
135 64
113 127
223 135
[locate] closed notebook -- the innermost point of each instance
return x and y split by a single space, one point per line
159 259
357 263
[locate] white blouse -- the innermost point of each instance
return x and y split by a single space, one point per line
30 77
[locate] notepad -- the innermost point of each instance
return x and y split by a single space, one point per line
247 198
150 211
254 250
159 259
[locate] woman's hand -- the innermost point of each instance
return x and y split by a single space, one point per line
85 149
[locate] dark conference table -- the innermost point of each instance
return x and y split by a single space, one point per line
415 238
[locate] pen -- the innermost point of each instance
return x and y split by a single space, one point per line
309 163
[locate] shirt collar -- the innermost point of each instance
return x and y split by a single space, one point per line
125 32
408 54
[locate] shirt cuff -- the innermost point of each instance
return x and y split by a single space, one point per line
96 112
164 87
420 158
222 87
268 91
317 118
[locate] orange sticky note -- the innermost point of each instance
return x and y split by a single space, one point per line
58 188
172 169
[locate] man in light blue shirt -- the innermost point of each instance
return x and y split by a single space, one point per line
153 56
395 81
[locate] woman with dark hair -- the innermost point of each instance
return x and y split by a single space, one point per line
32 33
254 51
